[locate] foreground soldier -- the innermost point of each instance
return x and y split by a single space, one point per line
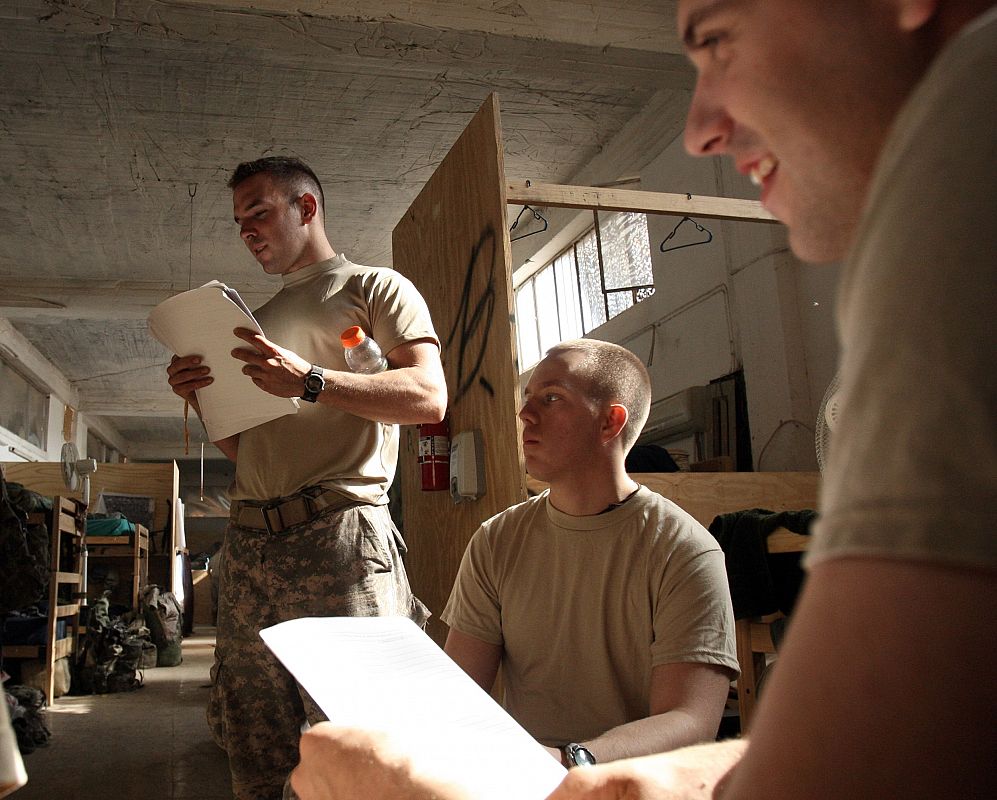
870 127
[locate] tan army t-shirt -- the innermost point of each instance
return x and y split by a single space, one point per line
584 607
320 445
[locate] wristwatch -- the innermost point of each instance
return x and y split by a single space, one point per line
314 384
575 755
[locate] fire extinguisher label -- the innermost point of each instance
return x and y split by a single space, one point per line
433 446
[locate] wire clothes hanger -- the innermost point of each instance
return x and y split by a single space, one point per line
536 215
700 228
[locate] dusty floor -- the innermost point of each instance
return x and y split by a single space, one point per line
150 744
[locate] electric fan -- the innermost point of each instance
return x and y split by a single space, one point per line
827 419
76 471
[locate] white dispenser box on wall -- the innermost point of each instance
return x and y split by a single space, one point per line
467 466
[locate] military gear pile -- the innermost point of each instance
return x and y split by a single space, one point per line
164 618
24 551
111 656
26 704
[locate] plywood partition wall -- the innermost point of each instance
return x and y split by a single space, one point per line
453 244
704 495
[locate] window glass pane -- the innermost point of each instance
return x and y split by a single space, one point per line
526 326
619 302
37 417
12 400
626 250
550 333
569 308
593 308
566 296
23 408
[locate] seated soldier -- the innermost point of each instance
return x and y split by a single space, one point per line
605 603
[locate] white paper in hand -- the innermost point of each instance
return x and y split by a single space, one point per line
386 674
200 322
12 774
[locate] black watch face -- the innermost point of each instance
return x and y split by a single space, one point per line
314 383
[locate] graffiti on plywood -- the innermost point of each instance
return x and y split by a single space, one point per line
473 321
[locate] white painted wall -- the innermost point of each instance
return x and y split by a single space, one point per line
743 300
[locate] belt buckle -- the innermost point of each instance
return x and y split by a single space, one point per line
265 510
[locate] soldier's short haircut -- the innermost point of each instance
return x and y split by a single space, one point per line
294 175
612 374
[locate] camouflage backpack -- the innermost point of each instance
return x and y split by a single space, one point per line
164 617
110 659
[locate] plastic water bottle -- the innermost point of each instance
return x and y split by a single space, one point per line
362 352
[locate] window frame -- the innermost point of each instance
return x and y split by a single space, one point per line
571 249
35 398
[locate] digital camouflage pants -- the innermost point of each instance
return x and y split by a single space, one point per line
345 562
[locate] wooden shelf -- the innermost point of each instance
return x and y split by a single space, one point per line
64 647
66 524
129 551
23 650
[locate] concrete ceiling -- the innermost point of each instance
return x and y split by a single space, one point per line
120 121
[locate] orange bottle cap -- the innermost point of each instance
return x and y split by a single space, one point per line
351 337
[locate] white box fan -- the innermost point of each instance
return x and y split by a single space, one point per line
827 420
76 471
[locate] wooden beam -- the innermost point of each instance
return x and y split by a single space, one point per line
148 404
559 196
704 495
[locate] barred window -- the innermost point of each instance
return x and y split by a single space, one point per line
600 275
23 407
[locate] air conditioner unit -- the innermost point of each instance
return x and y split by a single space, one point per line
682 413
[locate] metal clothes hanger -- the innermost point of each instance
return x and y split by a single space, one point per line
536 215
700 228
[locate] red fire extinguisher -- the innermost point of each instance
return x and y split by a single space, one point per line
434 455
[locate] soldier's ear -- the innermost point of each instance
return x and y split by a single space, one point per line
309 207
614 421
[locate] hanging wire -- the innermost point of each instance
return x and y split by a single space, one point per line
191 191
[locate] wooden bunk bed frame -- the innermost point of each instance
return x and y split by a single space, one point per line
66 522
129 551
160 481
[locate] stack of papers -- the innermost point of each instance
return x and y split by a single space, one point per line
200 322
